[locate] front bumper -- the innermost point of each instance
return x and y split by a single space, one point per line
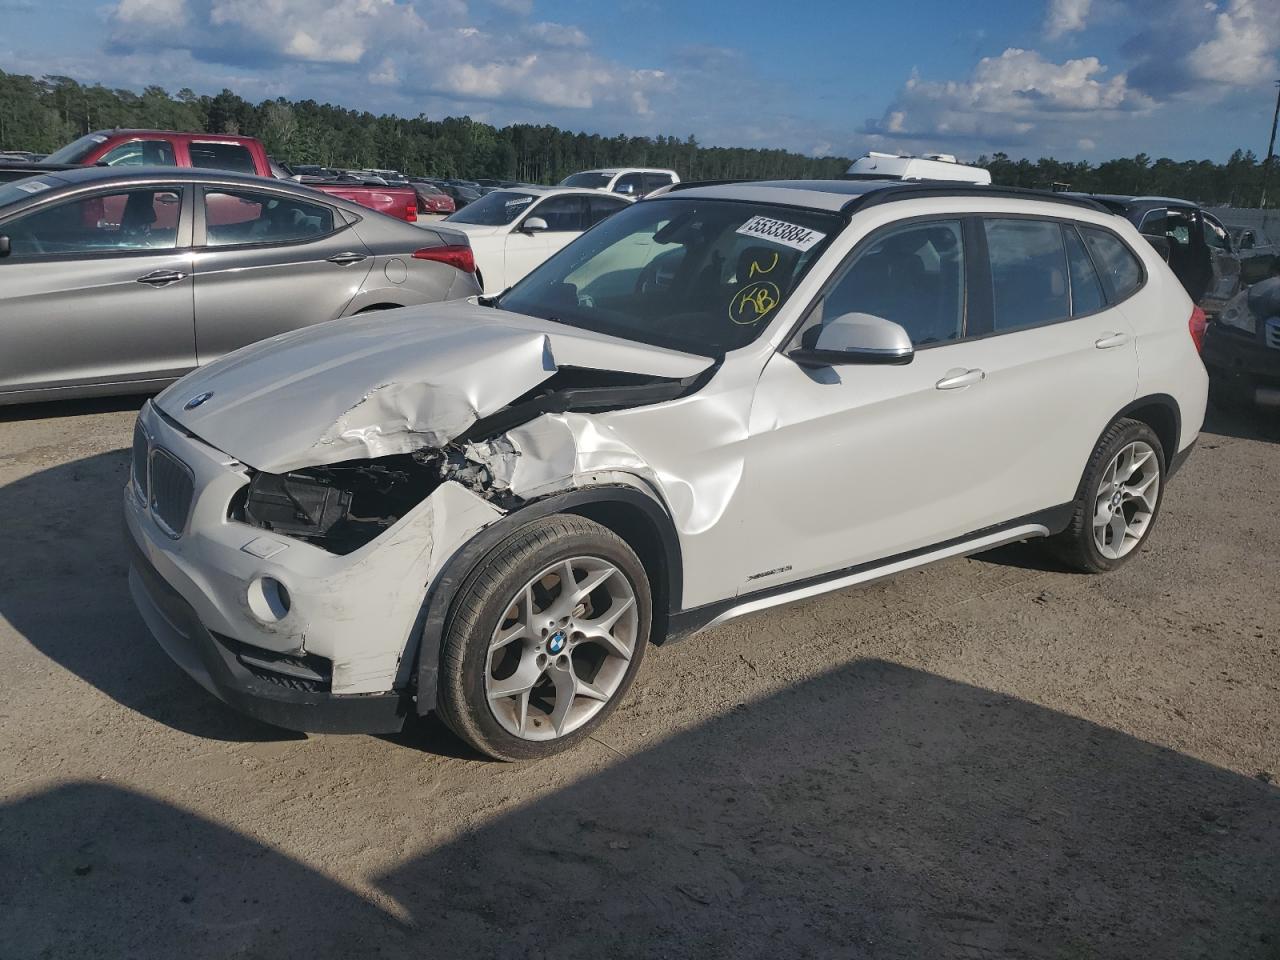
1243 365
357 615
212 663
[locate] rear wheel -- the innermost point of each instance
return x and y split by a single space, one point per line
1118 500
545 640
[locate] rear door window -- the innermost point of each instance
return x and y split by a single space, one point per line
1119 266
655 181
241 216
222 156
600 207
121 222
1028 273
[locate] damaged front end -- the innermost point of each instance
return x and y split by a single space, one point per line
340 507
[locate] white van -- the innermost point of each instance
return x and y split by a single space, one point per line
933 166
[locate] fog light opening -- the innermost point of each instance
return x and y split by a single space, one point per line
268 599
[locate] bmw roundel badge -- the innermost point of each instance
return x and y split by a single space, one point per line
557 642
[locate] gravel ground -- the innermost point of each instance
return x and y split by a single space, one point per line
987 758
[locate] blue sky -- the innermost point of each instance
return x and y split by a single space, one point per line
1075 79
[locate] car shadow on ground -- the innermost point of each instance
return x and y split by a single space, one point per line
1244 423
71 408
875 811
63 586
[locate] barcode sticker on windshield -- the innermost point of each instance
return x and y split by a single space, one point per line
34 186
519 201
779 231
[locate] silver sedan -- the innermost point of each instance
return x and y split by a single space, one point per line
120 282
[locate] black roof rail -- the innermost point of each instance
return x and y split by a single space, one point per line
938 188
694 184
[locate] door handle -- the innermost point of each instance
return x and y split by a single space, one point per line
161 278
1111 340
959 378
347 259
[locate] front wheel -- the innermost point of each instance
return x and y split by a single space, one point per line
546 638
1118 500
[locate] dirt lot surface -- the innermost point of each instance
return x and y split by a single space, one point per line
988 758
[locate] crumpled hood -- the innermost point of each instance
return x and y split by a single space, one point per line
389 382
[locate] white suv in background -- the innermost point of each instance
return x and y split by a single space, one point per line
513 230
634 182
718 400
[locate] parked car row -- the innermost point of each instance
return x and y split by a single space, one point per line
122 279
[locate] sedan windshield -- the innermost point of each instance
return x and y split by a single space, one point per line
591 181
702 276
495 209
77 150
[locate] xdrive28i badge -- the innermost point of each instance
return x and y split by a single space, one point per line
198 399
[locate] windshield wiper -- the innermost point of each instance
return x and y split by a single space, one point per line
492 301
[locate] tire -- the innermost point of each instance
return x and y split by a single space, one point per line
1078 546
576 669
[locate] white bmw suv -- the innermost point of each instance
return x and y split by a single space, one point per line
718 400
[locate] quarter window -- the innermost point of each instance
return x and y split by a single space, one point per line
1120 269
1028 273
1086 288
237 217
912 275
108 223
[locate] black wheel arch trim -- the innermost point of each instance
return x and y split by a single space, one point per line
1152 400
438 606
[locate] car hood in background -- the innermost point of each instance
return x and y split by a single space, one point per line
474 230
389 382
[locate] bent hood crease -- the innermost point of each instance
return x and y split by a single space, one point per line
389 382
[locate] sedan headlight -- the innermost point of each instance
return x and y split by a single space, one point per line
1237 315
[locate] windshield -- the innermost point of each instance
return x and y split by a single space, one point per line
77 150
702 276
592 181
494 209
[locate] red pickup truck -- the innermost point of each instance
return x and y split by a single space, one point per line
164 148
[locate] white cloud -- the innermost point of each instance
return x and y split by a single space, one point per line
1005 100
1241 51
556 35
152 13
1066 16
1084 143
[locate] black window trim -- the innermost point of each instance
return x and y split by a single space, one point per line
340 222
183 239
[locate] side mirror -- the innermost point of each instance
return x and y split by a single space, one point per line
1246 240
534 225
1162 245
857 338
6 246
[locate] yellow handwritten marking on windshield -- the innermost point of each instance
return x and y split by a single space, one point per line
755 302
756 268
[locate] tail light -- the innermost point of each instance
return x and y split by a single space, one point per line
455 255
411 210
1197 325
